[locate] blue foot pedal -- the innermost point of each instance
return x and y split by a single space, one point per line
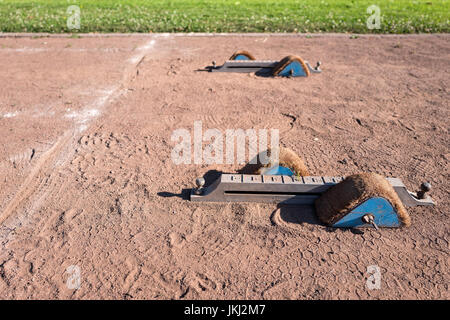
291 66
377 212
362 200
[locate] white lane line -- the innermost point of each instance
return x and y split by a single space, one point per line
142 50
60 152
205 34
94 110
10 115
36 50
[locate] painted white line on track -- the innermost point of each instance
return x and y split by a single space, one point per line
65 50
60 152
142 51
10 115
205 34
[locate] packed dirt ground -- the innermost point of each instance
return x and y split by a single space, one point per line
87 179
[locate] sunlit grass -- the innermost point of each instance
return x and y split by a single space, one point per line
399 16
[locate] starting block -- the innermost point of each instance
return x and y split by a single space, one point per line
376 211
244 62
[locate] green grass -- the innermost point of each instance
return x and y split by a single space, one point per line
397 16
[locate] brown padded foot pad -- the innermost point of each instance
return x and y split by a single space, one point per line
340 199
244 53
289 159
287 60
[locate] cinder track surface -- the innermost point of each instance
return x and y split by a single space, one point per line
86 177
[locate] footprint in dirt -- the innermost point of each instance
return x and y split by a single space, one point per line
217 230
200 282
294 217
223 228
172 283
281 290
177 240
132 275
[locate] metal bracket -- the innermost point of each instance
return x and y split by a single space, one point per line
316 69
409 199
284 189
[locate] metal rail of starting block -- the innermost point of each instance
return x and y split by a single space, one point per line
285 189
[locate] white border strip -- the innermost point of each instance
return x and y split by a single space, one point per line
201 34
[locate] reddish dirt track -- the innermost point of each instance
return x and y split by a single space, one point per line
86 176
